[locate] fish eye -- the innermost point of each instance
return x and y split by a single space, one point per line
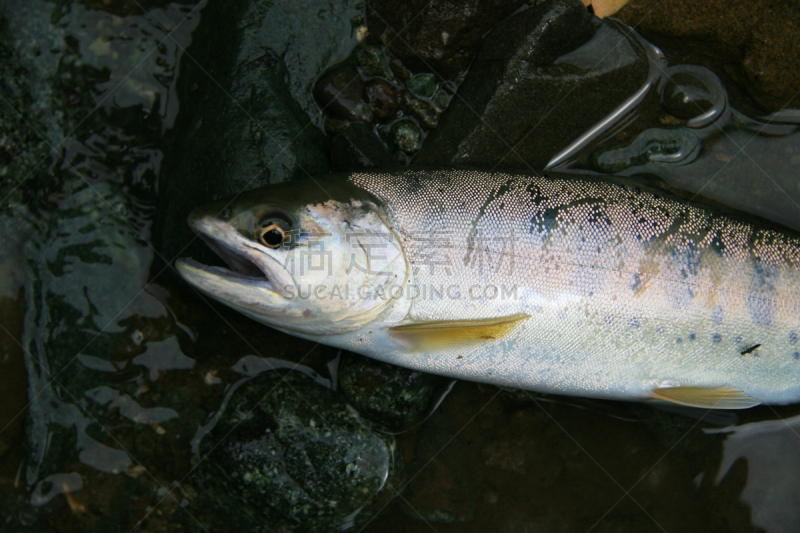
272 232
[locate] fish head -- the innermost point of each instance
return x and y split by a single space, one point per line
309 258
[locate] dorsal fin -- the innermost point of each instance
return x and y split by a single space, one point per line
443 333
722 397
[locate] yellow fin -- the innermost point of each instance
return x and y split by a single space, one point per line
706 397
427 335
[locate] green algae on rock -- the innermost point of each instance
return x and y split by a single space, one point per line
287 454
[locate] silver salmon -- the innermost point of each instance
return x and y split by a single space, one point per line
554 284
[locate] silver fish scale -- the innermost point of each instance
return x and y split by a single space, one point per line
624 289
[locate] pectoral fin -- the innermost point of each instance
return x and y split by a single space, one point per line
427 335
706 397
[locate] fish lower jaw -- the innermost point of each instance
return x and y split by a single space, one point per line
187 265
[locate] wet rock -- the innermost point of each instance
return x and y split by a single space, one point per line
423 84
358 147
381 98
655 145
758 42
245 104
22 149
372 61
288 455
694 94
392 396
543 77
406 136
439 36
419 108
338 93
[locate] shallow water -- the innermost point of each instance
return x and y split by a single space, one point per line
125 364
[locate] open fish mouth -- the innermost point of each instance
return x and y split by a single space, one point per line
247 264
240 265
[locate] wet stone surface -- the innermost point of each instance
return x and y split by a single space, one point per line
553 55
757 42
246 104
339 94
287 454
439 35
357 147
392 396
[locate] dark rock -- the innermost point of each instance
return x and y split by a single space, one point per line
406 136
421 109
287 454
542 77
338 92
240 124
439 36
22 149
372 61
381 98
334 125
423 84
758 41
392 396
656 145
399 71
358 147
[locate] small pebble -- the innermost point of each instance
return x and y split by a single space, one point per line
422 84
338 92
381 97
406 136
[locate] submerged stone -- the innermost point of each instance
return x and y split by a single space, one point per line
381 97
419 108
542 77
656 145
245 93
406 136
338 93
423 84
756 42
392 396
439 35
372 61
358 147
286 454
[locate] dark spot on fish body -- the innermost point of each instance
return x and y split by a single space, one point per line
692 336
633 323
751 350
759 302
716 316
716 338
678 340
796 356
792 337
